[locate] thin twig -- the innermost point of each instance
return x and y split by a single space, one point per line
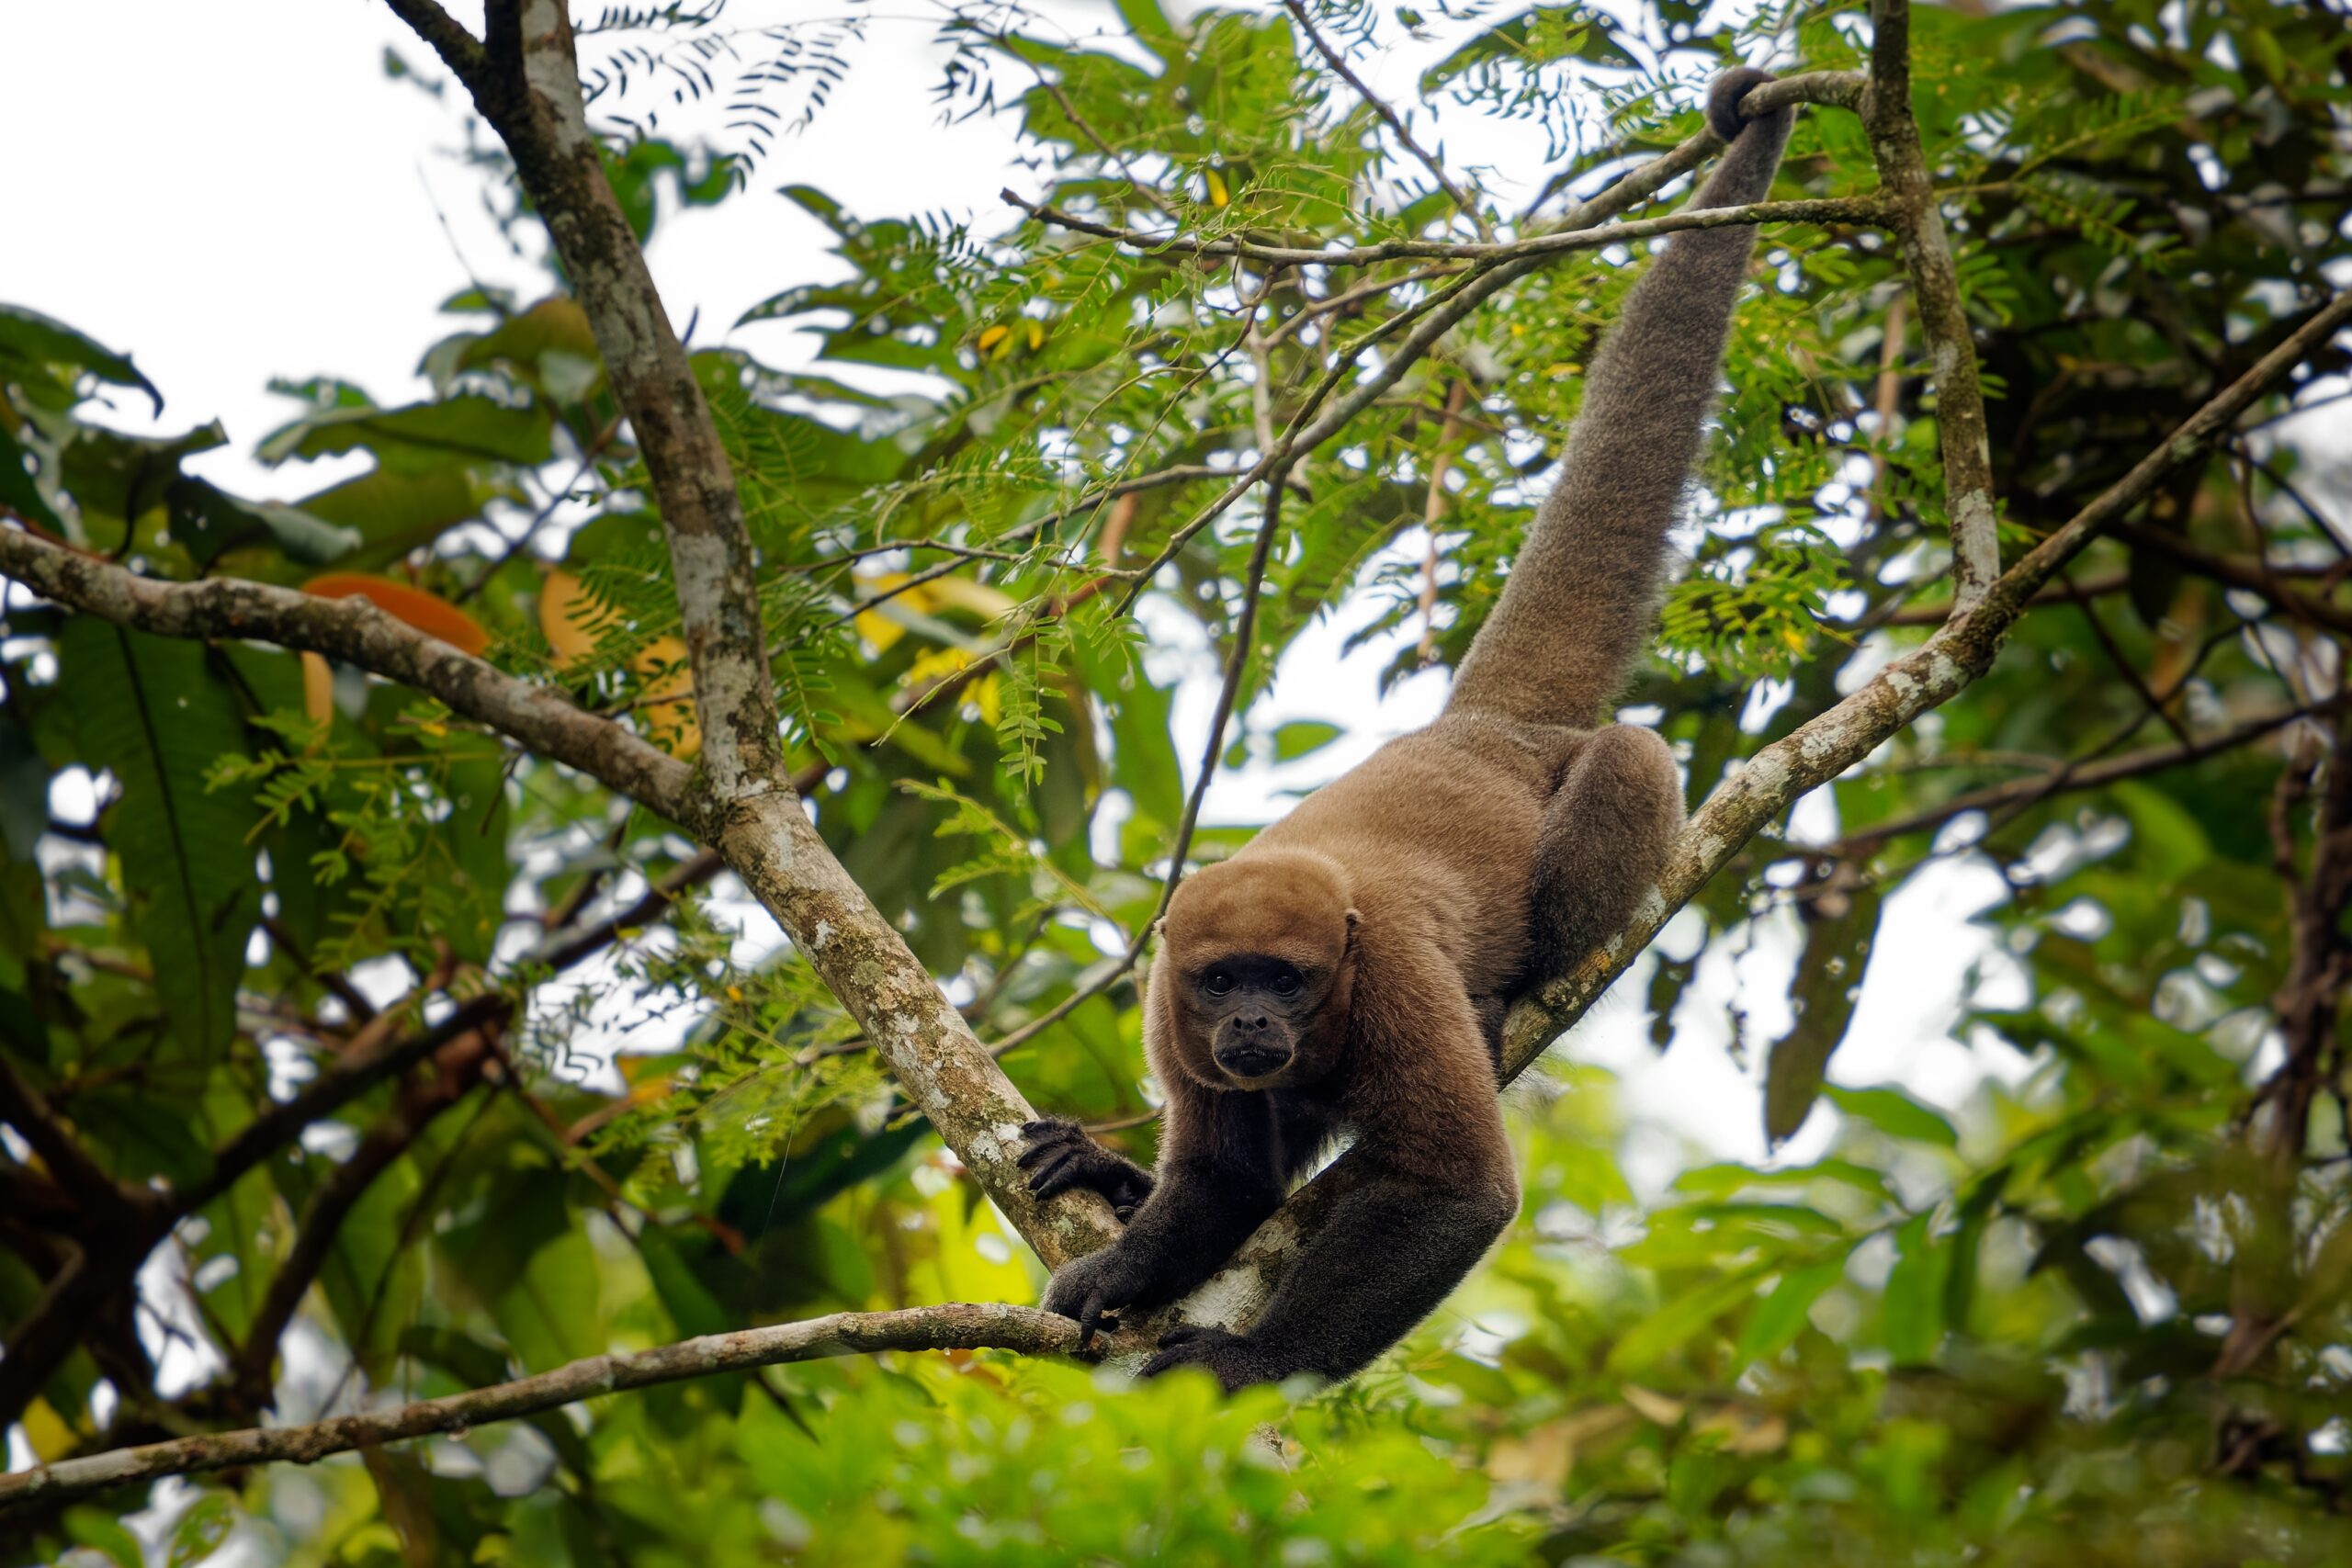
1395 122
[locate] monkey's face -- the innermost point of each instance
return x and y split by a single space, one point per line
1255 960
1255 1011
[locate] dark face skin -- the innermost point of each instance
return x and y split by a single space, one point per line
1254 1012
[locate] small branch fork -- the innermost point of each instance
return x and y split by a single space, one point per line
522 75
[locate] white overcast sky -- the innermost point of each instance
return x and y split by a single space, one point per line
232 191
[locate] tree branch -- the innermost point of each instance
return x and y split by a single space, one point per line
1379 105
343 1081
459 50
356 632
2072 777
956 1326
1824 209
100 1197
530 94
1960 403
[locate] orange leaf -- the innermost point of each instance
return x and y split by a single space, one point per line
428 612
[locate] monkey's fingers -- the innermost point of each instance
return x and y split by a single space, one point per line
1046 1131
1057 1174
1098 1314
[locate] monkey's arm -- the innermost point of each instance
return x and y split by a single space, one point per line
1430 1127
1061 1157
1581 595
1218 1179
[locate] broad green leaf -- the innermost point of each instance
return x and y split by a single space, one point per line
31 344
1300 736
1822 993
1896 1114
1913 1301
1780 1317
153 712
419 436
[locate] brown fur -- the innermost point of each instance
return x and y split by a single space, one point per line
1345 971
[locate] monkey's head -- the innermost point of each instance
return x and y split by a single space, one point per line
1254 969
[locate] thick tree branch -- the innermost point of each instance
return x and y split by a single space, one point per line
1960 403
748 812
957 1326
356 632
529 91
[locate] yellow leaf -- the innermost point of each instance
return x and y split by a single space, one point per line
565 609
1658 1407
1217 195
991 336
666 709
1036 336
47 1432
668 724
318 689
988 692
963 593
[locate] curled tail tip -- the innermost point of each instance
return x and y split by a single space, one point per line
1724 97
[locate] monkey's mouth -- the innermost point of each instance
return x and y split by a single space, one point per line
1247 1062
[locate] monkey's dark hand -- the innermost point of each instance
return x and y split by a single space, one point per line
1236 1359
1094 1287
1060 1157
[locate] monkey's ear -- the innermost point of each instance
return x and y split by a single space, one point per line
1353 917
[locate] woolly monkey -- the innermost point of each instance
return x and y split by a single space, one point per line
1345 972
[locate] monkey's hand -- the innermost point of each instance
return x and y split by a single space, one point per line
1060 1157
1236 1359
1094 1287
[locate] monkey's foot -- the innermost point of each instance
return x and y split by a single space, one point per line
1238 1360
1060 1157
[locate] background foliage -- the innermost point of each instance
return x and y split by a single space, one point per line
2101 1315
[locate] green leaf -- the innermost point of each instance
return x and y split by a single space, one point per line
1679 1319
19 490
207 522
1895 1113
421 435
1302 736
1822 992
32 344
1915 1295
151 710
202 1529
395 511
87 1526
1780 1318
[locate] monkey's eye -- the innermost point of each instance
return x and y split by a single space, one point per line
1285 985
1219 983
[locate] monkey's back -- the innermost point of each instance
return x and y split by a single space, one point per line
1439 826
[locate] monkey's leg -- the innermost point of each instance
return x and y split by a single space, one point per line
1061 1155
1391 1250
1607 832
1218 1179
